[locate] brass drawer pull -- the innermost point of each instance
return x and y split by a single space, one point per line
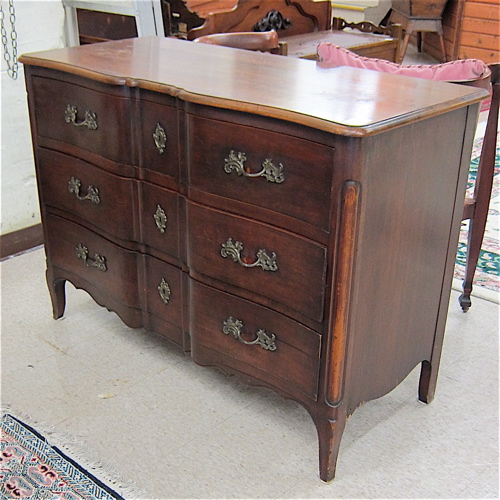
265 340
160 138
233 249
164 291
99 261
92 192
269 170
90 120
160 218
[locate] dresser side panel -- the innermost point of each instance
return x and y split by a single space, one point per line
412 189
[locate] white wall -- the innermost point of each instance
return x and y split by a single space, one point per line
40 26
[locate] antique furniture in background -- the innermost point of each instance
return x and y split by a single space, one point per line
93 22
364 44
96 27
205 7
391 30
259 226
417 16
263 41
181 19
108 19
476 208
471 30
287 17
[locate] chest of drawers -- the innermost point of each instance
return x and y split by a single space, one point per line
290 225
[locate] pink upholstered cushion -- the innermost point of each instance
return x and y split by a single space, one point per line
463 70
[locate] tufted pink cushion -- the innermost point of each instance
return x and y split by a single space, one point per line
463 70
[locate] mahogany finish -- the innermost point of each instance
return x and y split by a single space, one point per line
263 41
287 17
266 232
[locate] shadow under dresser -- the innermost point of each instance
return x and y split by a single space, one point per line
291 225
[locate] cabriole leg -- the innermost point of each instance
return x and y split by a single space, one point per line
329 436
57 295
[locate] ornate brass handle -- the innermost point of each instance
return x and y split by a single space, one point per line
92 192
99 261
234 327
160 218
233 249
164 291
160 138
90 120
236 161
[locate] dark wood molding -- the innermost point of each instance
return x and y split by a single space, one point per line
19 241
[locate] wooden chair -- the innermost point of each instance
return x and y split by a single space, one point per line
475 208
418 17
286 17
266 41
393 30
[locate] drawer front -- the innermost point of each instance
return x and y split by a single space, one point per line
257 257
164 291
93 259
103 199
86 118
281 173
160 218
160 138
253 340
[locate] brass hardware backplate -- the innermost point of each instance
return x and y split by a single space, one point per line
236 162
265 340
233 249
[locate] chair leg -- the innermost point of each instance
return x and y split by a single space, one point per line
441 41
404 46
419 41
482 195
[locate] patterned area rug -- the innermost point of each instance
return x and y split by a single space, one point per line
488 268
31 468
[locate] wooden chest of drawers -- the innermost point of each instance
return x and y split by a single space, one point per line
291 225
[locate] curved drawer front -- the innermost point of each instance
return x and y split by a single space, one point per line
259 258
94 259
103 199
83 117
160 138
159 218
282 173
253 339
164 290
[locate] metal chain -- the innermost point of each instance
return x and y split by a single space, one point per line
12 69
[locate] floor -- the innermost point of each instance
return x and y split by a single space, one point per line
177 430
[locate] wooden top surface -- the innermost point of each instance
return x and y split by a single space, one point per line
305 45
343 100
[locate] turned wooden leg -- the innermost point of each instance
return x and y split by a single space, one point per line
329 436
464 299
57 295
482 190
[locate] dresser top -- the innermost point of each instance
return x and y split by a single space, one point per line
343 100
